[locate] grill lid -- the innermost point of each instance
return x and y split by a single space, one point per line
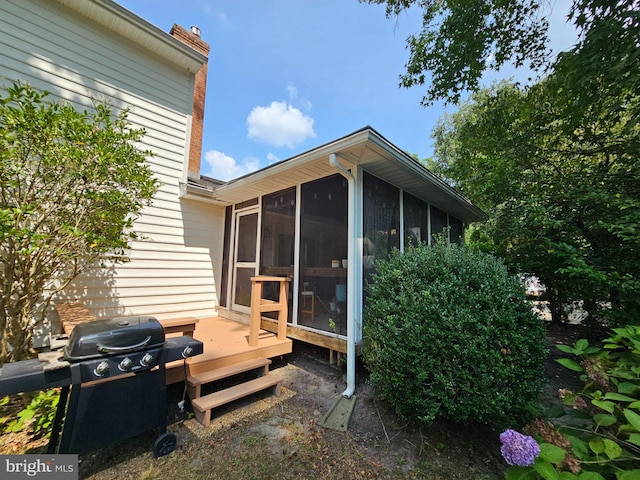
113 336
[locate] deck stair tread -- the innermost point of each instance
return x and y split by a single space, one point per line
228 371
202 406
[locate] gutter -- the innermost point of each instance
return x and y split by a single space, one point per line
138 31
351 255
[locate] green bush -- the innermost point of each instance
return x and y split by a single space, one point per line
38 416
449 336
595 434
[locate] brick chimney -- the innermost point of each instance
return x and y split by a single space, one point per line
192 38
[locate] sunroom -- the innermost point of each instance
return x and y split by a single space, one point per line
322 219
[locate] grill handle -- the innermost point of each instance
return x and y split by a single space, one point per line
130 348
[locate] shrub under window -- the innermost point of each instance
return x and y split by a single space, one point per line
449 336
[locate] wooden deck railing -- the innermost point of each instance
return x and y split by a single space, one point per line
261 305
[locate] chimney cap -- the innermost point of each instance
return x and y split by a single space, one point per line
195 30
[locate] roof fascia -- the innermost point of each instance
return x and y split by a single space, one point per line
293 162
127 24
425 173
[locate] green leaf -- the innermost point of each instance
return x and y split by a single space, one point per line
611 449
597 445
590 476
581 345
633 418
545 469
564 348
520 473
618 397
634 438
627 387
27 414
579 447
604 420
567 476
570 364
604 405
551 453
630 475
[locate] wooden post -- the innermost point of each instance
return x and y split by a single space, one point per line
256 301
284 309
260 305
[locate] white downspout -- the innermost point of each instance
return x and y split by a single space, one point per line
351 256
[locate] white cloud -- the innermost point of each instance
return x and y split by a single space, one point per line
304 103
272 158
293 91
222 18
280 124
224 167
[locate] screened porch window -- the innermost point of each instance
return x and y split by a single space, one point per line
415 220
380 223
457 230
278 232
228 218
438 222
381 219
323 254
277 237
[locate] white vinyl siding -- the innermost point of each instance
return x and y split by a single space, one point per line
175 266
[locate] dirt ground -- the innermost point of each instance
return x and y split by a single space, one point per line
268 437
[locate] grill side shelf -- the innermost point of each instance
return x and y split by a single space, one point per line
177 348
29 376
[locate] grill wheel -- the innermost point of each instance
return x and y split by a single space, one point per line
164 444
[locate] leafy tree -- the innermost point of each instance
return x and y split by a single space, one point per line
459 41
563 187
71 185
556 163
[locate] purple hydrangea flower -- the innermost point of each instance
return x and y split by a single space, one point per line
518 449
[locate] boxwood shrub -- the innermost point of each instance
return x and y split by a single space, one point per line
448 335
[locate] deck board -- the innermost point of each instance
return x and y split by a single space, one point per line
227 342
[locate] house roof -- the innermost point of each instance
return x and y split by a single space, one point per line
364 147
127 24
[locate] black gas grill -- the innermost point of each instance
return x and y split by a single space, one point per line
113 378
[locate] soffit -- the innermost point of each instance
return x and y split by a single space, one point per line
367 149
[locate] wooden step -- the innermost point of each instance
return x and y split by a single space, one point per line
202 406
195 382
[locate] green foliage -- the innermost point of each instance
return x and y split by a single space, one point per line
458 37
562 185
71 185
460 41
449 336
557 164
38 416
599 427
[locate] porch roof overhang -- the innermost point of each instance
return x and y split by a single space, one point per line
366 148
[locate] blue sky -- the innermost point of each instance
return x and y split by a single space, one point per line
288 75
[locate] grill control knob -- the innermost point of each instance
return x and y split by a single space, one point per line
102 369
125 364
187 352
146 360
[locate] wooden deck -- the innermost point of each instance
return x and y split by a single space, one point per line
226 342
